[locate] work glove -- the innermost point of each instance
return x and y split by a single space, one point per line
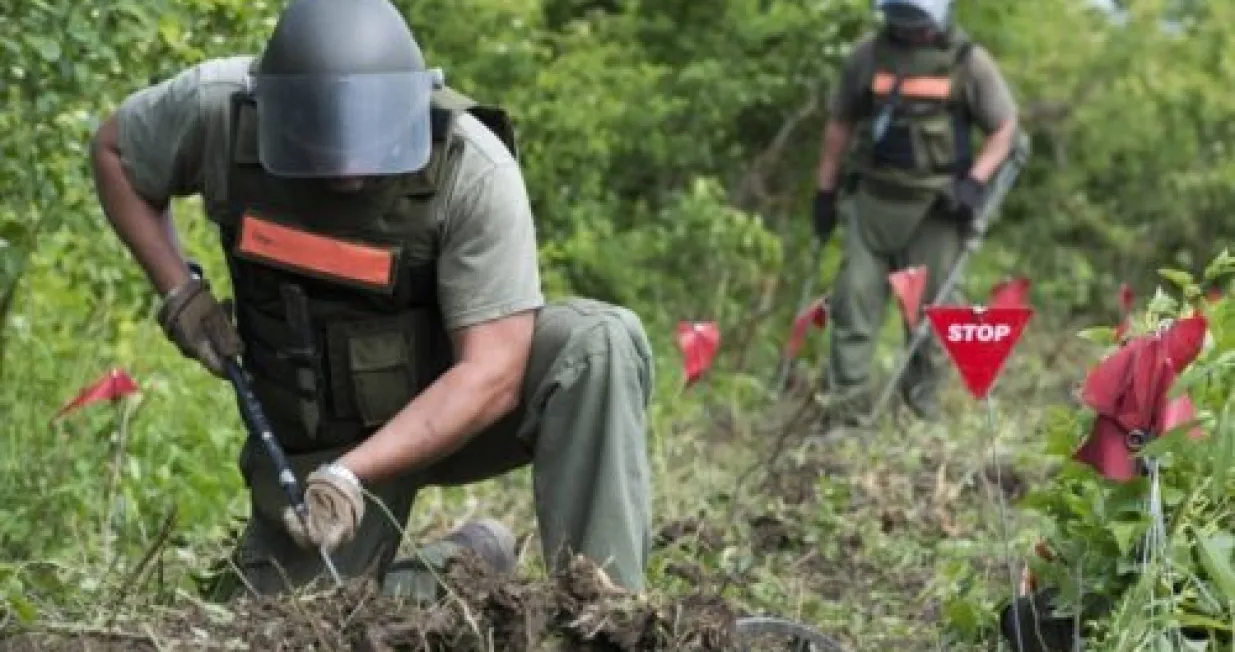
334 505
967 198
825 215
199 325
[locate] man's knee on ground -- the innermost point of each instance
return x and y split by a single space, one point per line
609 340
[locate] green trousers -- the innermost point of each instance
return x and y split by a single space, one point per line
581 424
858 302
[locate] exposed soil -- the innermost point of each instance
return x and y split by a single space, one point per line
577 610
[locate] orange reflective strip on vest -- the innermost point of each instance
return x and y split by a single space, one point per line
929 88
349 261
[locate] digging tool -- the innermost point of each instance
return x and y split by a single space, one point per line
1004 178
808 291
259 426
801 638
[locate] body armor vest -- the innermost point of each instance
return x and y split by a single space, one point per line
927 141
336 293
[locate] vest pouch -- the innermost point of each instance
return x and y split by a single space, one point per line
373 364
935 146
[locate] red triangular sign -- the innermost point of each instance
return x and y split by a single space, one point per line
908 285
979 340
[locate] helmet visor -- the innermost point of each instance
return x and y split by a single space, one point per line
344 125
916 14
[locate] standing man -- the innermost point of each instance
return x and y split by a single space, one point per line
907 101
388 302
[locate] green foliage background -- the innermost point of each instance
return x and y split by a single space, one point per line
669 149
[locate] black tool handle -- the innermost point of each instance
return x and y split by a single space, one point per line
255 418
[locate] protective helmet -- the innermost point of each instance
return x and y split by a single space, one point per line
916 15
342 90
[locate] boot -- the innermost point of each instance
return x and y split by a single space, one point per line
850 412
923 402
416 576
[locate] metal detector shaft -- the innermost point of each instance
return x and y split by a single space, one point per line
259 426
1002 183
808 290
923 329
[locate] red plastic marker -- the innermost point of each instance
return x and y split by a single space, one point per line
112 386
816 314
698 342
979 340
1129 391
909 285
1010 293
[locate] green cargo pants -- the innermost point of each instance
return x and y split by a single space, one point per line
859 298
581 424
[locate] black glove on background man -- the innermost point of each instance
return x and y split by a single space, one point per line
967 194
825 215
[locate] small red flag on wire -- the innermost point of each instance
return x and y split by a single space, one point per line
112 386
815 314
909 284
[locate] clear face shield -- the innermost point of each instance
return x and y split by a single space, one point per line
322 126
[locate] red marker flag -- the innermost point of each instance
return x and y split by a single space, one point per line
698 342
979 340
816 314
908 285
112 386
1129 392
1010 293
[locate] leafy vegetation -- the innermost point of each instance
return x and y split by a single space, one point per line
669 149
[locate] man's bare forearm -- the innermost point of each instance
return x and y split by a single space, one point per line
466 399
145 229
835 142
996 149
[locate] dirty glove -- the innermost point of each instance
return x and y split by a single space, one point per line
199 325
334 505
825 214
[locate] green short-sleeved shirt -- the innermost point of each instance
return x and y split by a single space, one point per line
986 91
173 143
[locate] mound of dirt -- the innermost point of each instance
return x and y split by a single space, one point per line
578 609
